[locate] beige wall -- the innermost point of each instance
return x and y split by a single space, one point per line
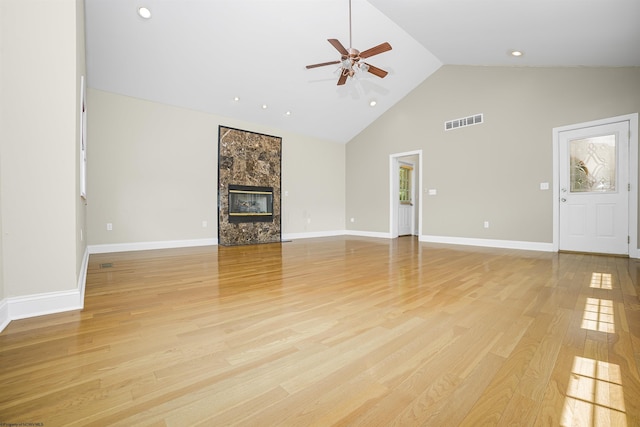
313 175
488 172
153 174
39 115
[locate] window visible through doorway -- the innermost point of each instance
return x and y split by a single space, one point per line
405 184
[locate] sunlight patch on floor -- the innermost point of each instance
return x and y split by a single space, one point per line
601 281
594 395
598 315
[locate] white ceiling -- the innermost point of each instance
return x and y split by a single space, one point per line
200 54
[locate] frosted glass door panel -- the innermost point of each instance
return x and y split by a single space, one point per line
593 164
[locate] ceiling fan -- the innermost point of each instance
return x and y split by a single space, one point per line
350 59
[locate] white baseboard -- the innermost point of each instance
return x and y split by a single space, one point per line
46 303
22 307
144 246
376 234
293 236
489 243
4 314
312 234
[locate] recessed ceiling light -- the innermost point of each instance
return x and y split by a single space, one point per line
144 12
264 106
373 103
288 113
236 98
516 53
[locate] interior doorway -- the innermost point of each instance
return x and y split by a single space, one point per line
407 197
405 211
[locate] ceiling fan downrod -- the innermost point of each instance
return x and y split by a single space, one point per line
350 41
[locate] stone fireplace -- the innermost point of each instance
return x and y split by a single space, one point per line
249 166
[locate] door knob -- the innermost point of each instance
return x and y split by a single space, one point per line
563 200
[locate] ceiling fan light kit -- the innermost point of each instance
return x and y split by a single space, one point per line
350 59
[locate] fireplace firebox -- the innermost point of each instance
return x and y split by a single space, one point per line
250 204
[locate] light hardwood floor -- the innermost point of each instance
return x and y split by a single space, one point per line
334 331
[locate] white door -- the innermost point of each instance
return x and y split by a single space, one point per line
406 197
594 189
405 220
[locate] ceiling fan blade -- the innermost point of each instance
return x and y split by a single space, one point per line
375 50
376 71
322 64
343 77
335 43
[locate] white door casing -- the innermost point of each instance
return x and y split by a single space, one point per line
406 212
595 210
393 193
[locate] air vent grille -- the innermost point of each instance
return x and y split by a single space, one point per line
463 122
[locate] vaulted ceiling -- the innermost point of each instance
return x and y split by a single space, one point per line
203 54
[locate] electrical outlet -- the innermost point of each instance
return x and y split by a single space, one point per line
109 226
204 224
352 220
486 224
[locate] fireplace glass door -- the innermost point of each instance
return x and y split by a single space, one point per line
250 204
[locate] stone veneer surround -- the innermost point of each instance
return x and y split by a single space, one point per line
252 159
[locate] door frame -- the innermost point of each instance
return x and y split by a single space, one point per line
633 177
401 161
394 201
